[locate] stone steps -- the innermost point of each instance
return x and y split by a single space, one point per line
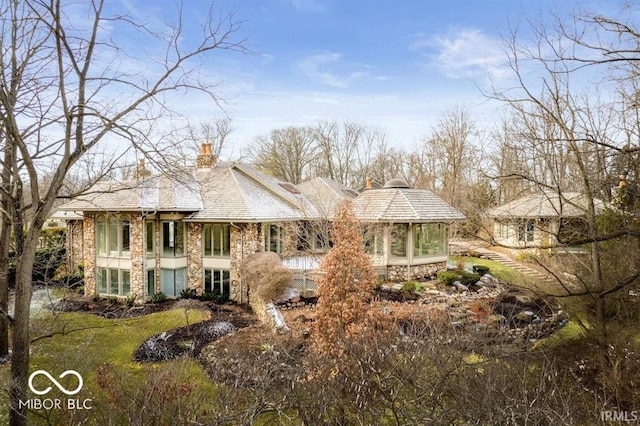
523 269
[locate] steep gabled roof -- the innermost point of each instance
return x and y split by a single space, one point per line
325 194
403 205
546 205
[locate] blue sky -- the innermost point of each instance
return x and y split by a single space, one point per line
398 65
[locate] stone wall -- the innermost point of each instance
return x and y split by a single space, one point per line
137 249
399 272
246 239
292 234
75 245
89 238
194 257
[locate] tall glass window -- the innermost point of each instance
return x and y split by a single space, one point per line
150 237
399 239
525 231
429 239
151 281
217 281
173 239
173 281
217 240
113 236
101 235
274 238
114 281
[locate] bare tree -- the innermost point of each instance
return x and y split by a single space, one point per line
569 140
215 132
286 153
63 92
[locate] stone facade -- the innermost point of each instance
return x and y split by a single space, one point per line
292 232
89 238
399 272
137 248
75 245
194 257
246 239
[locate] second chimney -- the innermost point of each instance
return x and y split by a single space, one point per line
206 159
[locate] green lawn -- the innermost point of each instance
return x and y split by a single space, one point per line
496 269
90 343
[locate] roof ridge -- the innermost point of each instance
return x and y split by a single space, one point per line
249 173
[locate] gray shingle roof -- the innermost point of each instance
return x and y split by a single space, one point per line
230 191
546 205
403 205
325 194
177 193
236 192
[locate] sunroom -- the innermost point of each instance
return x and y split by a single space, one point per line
406 229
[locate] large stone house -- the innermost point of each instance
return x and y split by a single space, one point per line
193 229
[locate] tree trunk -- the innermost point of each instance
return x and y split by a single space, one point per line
5 232
25 254
4 283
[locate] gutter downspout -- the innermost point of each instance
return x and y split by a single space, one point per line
241 256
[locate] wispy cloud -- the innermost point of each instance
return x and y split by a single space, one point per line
463 53
332 69
307 5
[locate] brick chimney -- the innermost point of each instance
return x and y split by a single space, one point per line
141 171
369 184
205 159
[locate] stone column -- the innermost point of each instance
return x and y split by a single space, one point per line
245 241
194 257
137 249
89 237
75 245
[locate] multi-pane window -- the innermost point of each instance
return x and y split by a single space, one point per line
525 231
217 281
399 239
173 281
173 239
216 240
113 236
114 281
274 238
374 243
150 237
429 239
504 230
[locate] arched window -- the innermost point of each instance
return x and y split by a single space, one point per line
113 235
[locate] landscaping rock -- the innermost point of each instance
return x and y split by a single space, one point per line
525 316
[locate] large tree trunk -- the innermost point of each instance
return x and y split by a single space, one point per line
4 283
5 232
25 253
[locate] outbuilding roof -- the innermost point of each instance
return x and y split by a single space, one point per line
546 205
